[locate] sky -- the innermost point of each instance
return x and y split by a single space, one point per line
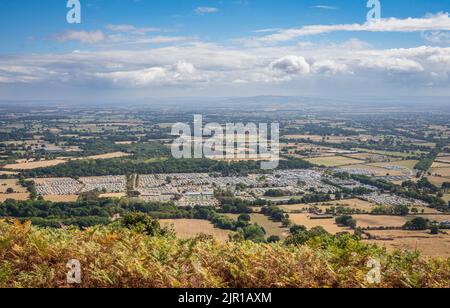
136 49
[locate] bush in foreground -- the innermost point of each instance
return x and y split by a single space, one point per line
114 256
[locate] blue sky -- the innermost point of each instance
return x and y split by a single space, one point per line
142 48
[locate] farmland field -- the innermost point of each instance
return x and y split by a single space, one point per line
333 161
428 245
365 221
444 159
108 155
447 197
327 224
356 204
189 228
35 165
271 228
113 195
61 198
443 172
19 192
438 180
387 153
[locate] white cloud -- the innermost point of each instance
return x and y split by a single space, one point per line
84 37
325 7
180 72
206 10
329 67
212 66
435 22
131 29
392 64
437 37
291 65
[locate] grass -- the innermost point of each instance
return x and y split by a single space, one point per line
333 161
328 224
113 257
389 153
366 221
271 227
190 228
35 165
429 245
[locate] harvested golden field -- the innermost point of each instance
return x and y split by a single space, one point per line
8 173
429 245
437 164
190 228
271 227
109 155
19 192
333 161
438 180
443 159
290 208
437 218
327 224
61 198
35 165
11 183
15 196
113 195
366 221
367 156
315 138
356 204
447 197
441 172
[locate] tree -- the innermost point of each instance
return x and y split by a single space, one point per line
435 230
418 223
143 223
296 229
244 217
254 233
10 190
273 239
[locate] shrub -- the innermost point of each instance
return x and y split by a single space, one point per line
117 257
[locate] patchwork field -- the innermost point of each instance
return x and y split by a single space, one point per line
61 198
34 165
447 197
271 228
8 173
327 224
113 195
386 153
366 221
109 155
443 159
333 161
441 172
19 192
189 228
437 218
356 204
438 180
422 241
437 164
